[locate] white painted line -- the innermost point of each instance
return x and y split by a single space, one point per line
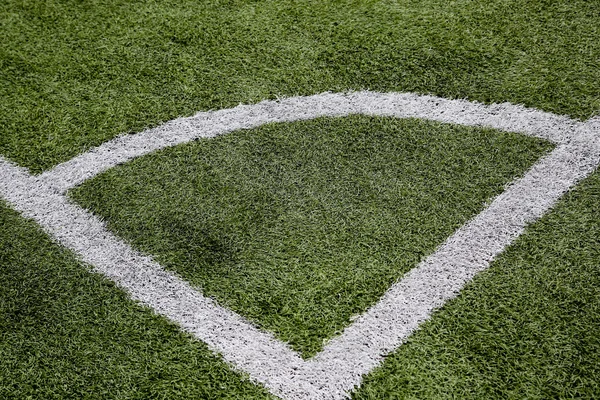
467 252
334 372
557 129
224 331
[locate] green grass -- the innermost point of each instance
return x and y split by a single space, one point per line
300 226
527 328
66 333
74 74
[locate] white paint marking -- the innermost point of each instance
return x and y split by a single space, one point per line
334 372
557 129
224 331
467 252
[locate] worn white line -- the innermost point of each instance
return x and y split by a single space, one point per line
505 116
334 372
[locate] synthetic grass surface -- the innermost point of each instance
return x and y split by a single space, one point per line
66 333
299 226
527 328
74 74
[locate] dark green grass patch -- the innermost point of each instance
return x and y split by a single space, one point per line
300 226
528 328
76 73
66 333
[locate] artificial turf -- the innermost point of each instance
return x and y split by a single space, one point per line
76 73
66 333
300 226
527 328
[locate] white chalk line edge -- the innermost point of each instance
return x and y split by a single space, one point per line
339 368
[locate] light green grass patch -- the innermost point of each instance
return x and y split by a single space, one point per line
527 328
300 226
75 74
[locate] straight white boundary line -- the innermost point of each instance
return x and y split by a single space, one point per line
334 372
